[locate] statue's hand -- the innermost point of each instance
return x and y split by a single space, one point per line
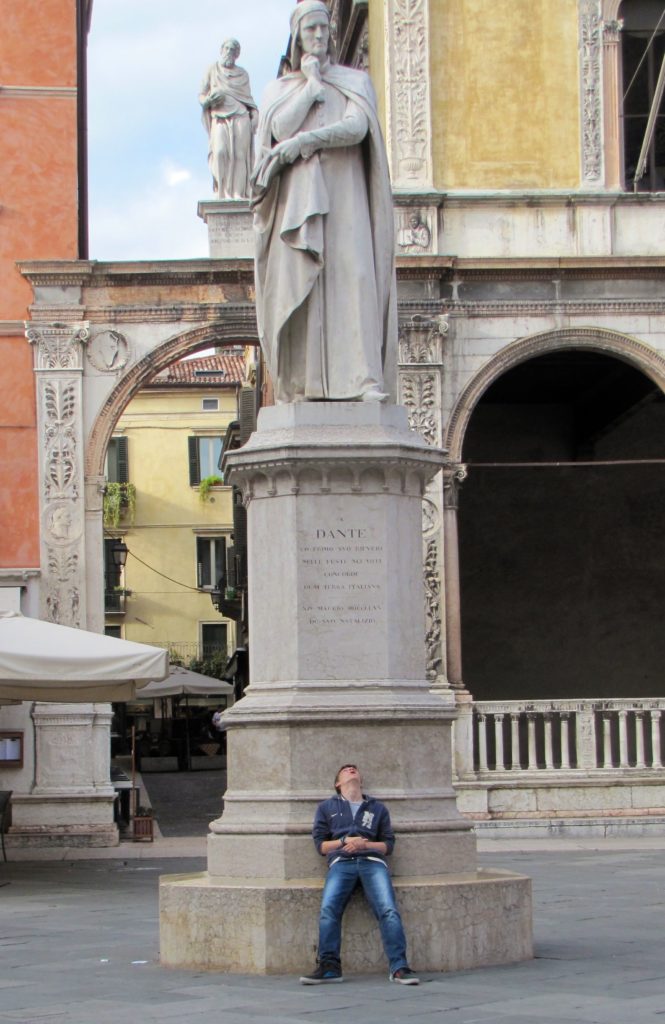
287 151
310 67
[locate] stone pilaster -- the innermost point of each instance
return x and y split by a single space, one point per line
408 100
591 91
420 386
58 363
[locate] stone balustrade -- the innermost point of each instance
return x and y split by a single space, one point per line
567 736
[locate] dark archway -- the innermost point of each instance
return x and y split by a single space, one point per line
563 567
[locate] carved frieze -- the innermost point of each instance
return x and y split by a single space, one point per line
408 98
591 39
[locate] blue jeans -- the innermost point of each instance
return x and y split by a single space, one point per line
342 879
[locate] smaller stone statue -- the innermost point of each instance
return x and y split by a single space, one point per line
230 117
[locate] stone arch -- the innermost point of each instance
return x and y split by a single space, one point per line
238 329
602 340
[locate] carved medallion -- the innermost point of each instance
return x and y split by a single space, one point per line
108 351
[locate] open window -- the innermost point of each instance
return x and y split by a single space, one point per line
643 108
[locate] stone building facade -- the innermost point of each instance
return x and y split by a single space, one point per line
530 267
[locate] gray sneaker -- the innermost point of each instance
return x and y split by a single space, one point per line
326 973
405 976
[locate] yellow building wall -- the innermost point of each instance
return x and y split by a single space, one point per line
169 516
505 94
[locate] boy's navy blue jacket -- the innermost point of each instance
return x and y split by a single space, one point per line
333 819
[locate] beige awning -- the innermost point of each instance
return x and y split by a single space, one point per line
181 681
48 662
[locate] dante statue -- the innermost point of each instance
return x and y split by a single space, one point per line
323 222
230 116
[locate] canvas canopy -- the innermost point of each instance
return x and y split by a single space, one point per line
183 682
48 662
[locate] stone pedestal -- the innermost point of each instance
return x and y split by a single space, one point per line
230 232
71 801
334 493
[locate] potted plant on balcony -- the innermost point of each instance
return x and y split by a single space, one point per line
118 497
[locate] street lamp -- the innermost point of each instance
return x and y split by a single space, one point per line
119 552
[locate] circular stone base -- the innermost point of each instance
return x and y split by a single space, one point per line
452 922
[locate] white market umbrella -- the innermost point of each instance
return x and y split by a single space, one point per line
183 682
47 662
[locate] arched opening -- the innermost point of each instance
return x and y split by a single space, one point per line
562 556
159 437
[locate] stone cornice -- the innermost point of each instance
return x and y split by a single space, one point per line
190 312
17 575
11 328
84 273
31 92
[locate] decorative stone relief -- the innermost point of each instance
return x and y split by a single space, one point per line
414 235
420 387
108 351
58 358
591 33
408 97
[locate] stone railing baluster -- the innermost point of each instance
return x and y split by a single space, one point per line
482 743
498 739
564 718
607 740
531 735
549 754
515 759
639 740
623 738
657 758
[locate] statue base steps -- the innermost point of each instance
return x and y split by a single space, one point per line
452 923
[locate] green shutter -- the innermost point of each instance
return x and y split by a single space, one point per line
122 445
194 465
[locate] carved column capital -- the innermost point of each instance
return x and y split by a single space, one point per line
612 31
58 346
454 475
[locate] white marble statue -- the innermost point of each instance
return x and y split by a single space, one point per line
230 116
323 221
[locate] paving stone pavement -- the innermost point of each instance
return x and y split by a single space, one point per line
79 944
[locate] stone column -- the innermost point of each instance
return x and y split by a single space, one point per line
334 498
453 476
612 104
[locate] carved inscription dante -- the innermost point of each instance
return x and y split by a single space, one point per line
342 581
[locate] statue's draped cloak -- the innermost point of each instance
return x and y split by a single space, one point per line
325 276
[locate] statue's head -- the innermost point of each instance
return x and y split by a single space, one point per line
310 31
229 51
